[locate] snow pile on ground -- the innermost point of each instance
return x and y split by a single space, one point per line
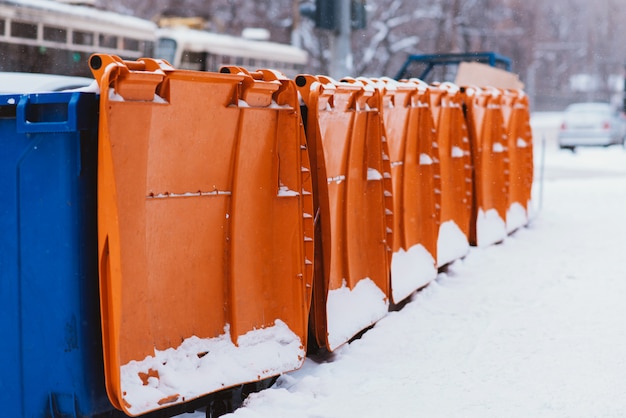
451 243
202 365
411 270
352 310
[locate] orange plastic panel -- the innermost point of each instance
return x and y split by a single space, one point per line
415 175
353 204
456 172
491 166
516 115
205 230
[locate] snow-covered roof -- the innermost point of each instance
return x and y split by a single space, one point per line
20 8
11 82
196 40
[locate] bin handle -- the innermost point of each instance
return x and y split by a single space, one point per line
56 112
144 67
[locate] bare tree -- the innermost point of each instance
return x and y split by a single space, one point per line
384 45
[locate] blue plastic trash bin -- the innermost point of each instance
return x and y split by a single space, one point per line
50 321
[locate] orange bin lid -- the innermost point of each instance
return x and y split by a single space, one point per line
490 160
516 113
455 161
353 196
205 230
415 174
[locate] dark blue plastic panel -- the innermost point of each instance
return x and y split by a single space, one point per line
431 60
50 322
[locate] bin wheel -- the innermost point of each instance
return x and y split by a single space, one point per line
253 387
218 407
227 401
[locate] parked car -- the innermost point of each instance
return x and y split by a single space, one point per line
15 82
591 124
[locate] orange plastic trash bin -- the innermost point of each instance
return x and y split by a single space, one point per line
516 113
205 230
491 166
456 172
353 206
409 129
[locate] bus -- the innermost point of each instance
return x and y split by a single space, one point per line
194 49
45 36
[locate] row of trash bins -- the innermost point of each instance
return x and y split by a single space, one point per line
184 232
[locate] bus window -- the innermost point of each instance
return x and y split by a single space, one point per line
166 49
82 38
147 48
62 40
131 44
54 34
193 60
23 30
107 41
213 63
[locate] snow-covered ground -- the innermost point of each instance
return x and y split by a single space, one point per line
532 327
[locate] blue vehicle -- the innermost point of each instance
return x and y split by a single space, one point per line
421 65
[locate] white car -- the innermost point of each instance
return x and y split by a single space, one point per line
591 124
22 83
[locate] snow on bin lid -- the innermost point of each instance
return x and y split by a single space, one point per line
15 82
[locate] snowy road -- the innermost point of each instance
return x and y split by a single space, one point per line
533 327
